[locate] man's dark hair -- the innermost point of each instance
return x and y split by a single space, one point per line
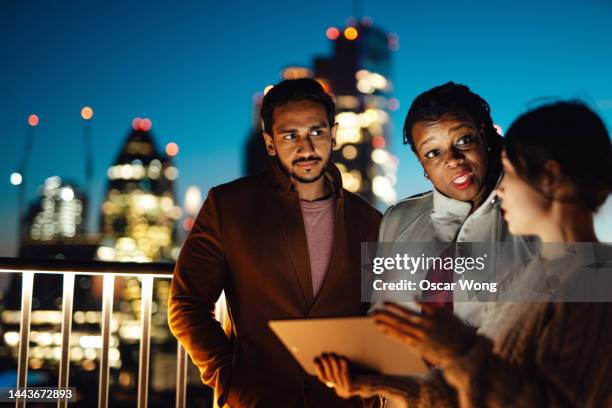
574 136
295 90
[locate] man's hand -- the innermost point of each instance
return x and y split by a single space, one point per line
334 371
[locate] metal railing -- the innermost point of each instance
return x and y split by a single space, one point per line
109 270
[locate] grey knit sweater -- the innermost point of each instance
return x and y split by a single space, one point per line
546 354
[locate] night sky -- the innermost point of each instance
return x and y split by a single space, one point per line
192 67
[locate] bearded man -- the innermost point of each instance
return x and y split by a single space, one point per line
283 244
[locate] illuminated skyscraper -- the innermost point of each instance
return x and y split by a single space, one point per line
357 74
58 215
140 210
54 226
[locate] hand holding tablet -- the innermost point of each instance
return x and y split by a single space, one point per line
356 338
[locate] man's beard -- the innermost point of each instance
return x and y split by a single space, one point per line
289 172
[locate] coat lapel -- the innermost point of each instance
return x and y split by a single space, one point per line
294 237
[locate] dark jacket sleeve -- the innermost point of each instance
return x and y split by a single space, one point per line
200 275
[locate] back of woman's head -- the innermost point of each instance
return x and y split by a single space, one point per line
572 135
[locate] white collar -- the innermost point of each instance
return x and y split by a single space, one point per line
449 210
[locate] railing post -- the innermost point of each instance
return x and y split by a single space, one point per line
145 340
27 284
107 312
222 317
67 302
181 377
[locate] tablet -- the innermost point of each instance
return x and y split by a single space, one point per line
356 338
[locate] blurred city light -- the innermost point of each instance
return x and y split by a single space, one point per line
368 82
136 123
362 74
379 156
365 86
193 200
367 21
257 97
351 33
143 124
378 142
348 102
378 80
368 117
352 180
11 338
393 104
87 113
296 72
171 173
383 188
348 129
393 41
172 149
16 178
349 152
332 33
33 120
106 253
67 193
146 124
52 183
325 85
499 129
188 224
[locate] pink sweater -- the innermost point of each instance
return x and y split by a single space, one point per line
319 225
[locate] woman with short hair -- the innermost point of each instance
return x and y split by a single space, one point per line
450 130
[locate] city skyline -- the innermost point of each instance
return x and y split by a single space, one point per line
193 70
